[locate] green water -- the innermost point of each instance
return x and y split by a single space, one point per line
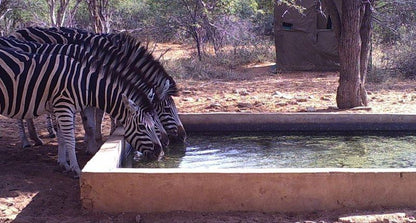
271 150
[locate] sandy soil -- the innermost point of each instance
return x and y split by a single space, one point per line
31 190
258 90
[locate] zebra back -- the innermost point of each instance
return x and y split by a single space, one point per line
150 71
150 74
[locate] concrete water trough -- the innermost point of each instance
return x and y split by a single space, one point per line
106 186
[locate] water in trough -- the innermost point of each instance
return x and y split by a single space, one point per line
301 150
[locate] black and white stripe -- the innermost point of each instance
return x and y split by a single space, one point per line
32 84
152 74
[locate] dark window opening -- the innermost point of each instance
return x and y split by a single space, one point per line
324 22
287 26
329 23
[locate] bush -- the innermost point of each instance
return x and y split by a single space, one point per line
222 64
395 60
394 40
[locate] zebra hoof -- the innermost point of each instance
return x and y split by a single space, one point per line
24 146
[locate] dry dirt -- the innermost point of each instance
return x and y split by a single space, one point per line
31 190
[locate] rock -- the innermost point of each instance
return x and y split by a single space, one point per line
293 102
243 92
188 99
258 103
186 92
281 104
364 108
213 105
310 109
301 99
244 105
325 98
278 94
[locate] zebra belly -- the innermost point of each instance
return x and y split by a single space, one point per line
22 106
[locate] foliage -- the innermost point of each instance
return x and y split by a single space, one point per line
221 65
220 28
394 39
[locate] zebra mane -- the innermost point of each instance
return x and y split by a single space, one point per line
132 57
138 66
111 62
132 49
148 66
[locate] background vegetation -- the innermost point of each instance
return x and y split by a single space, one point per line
223 33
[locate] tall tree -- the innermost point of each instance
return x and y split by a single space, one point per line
353 30
100 13
71 22
57 11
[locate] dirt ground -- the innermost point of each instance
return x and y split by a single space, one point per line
32 190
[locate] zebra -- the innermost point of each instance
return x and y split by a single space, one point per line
75 51
63 85
155 75
31 129
92 145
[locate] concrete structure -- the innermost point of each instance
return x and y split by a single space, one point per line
305 39
107 187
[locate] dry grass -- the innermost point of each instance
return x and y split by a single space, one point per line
224 64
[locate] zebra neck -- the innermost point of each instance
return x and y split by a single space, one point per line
107 96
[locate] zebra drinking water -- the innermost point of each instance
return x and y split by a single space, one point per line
153 73
77 52
33 84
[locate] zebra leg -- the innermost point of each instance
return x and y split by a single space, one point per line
22 134
99 115
66 125
49 123
62 156
32 132
89 128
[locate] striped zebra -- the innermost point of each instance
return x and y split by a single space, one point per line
75 51
33 84
31 129
153 72
32 133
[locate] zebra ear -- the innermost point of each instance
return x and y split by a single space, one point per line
130 105
165 89
151 95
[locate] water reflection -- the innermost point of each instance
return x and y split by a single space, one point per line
273 150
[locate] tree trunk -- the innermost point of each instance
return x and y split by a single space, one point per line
100 14
365 34
353 55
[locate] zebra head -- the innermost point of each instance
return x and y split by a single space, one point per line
168 115
160 130
140 131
